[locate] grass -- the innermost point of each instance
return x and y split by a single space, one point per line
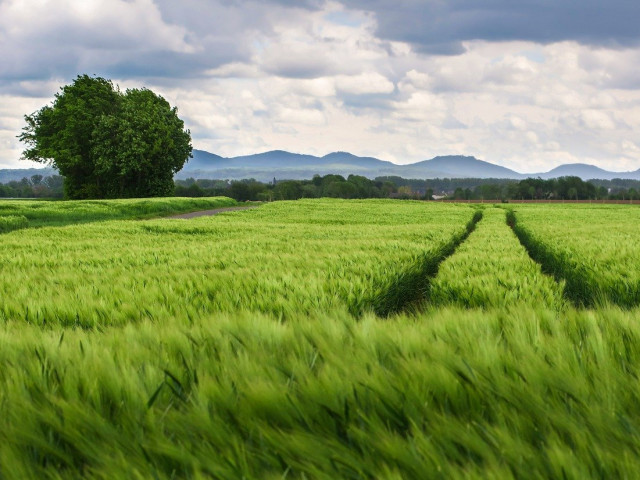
40 213
456 394
492 269
9 223
592 249
289 342
283 259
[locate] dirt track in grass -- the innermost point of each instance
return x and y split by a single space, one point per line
207 213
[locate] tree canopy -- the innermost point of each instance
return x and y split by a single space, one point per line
108 144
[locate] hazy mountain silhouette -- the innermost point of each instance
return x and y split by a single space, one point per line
455 166
586 172
286 165
279 159
281 164
204 160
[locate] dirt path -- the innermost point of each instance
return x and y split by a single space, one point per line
206 213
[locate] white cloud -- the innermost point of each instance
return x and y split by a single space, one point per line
421 106
91 24
417 80
299 116
252 76
235 70
12 109
510 70
597 120
363 84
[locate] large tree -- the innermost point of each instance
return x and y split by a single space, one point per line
106 143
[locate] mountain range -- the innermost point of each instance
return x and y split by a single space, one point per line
286 165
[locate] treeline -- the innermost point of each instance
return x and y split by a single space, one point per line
445 185
562 188
620 189
355 186
35 186
335 186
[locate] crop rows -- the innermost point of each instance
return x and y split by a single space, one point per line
252 345
594 250
492 269
284 259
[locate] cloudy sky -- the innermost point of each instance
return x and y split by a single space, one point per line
526 84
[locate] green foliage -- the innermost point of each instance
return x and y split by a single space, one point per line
138 151
35 187
456 394
619 189
594 249
563 188
246 345
332 186
60 213
284 259
60 134
479 189
287 190
492 269
107 144
12 222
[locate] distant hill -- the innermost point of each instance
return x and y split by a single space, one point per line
286 165
458 166
279 159
345 158
204 160
587 172
281 164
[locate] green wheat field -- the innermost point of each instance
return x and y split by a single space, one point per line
319 339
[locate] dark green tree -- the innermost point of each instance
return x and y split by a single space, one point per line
287 190
138 151
342 190
107 144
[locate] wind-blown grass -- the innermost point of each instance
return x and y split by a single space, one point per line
593 249
285 259
9 223
246 345
459 394
492 269
58 213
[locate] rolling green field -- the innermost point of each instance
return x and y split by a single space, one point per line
319 339
594 248
17 214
